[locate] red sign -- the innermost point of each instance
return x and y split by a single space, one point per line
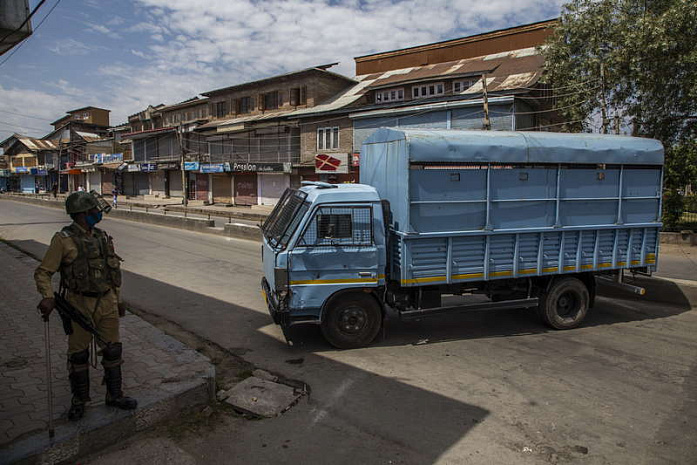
325 162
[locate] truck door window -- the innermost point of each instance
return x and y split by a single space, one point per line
349 226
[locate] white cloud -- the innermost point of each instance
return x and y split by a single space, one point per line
41 108
65 47
100 28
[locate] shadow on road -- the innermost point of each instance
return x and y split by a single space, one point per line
663 299
351 408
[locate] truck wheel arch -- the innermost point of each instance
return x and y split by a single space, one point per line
351 319
372 292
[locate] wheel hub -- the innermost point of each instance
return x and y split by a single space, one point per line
352 320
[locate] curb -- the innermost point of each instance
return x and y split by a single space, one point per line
96 432
234 230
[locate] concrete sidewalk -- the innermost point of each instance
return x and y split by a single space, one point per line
254 212
163 374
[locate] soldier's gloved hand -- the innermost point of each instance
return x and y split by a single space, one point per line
122 309
46 306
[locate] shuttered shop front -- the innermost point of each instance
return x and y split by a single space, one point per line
222 188
246 189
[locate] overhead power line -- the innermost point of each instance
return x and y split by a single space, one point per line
25 116
35 29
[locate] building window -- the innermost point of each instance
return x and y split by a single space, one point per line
246 104
461 86
327 138
298 96
270 100
220 109
389 95
427 90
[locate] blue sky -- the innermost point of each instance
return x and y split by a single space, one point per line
124 55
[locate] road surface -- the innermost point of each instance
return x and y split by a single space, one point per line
489 387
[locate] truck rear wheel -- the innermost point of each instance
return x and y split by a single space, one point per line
565 304
351 321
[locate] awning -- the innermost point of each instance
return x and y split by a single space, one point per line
111 166
71 171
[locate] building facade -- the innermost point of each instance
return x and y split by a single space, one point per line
30 164
249 152
72 133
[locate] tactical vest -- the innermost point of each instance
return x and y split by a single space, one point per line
97 268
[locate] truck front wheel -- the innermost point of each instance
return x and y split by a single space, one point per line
565 304
351 321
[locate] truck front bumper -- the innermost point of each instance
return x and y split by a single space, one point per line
278 310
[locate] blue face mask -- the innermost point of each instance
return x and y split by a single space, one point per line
93 219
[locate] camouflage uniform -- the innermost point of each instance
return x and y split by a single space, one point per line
91 277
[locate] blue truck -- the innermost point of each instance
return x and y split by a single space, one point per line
504 219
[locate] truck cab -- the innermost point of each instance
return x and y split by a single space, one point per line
324 257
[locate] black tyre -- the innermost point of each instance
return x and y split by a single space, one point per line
565 305
351 321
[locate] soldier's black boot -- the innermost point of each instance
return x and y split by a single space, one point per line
79 383
111 361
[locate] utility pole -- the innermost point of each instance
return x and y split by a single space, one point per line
487 121
185 187
60 160
603 102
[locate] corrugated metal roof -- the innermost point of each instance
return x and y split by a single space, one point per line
507 71
147 132
37 144
245 119
88 136
317 69
526 63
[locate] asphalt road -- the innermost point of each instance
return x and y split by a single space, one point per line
489 387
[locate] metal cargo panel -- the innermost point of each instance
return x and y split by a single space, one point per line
474 258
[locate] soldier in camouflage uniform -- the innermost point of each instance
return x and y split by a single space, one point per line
91 277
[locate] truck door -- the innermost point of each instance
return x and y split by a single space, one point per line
336 251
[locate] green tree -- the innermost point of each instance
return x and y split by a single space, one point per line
630 61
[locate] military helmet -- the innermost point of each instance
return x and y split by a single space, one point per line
79 202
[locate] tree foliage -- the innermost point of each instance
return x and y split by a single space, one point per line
637 60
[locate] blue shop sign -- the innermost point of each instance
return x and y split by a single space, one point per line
213 168
21 169
190 166
147 167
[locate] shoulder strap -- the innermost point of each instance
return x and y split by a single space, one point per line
67 232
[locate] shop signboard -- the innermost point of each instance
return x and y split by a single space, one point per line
191 166
331 163
107 157
168 166
148 167
212 168
21 169
133 167
261 167
41 172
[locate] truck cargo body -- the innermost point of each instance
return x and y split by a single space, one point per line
508 215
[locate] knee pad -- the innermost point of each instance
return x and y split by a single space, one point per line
80 358
112 351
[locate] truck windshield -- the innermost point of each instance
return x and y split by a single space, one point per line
284 218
